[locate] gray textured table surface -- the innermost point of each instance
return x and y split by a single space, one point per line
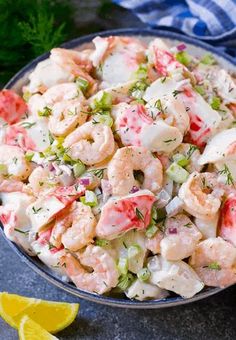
212 318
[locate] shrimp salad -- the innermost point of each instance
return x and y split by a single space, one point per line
118 168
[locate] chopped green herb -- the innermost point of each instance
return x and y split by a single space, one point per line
158 105
227 173
98 172
27 125
50 137
163 79
191 150
169 140
139 214
35 211
188 225
214 266
21 231
176 92
46 112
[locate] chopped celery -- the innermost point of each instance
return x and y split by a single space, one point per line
183 57
208 59
123 265
103 119
215 103
151 230
82 84
101 242
200 89
26 96
133 251
102 103
89 199
125 281
29 155
3 169
180 159
141 72
137 90
143 274
177 173
78 168
66 158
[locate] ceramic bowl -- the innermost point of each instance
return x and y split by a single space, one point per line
197 48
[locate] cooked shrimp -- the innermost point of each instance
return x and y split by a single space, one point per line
61 92
41 180
104 276
13 159
65 116
75 62
80 147
180 239
128 159
79 226
200 196
214 260
154 243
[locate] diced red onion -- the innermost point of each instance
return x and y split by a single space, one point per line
174 207
84 181
181 47
134 189
172 230
51 167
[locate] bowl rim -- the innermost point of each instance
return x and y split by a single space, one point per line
40 268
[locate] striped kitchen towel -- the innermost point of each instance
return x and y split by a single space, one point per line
211 20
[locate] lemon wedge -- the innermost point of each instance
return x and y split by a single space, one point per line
12 304
52 316
30 330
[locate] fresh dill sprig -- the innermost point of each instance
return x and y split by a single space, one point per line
229 178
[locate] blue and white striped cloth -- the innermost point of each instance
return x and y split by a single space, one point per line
211 20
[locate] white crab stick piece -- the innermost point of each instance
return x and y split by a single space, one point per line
136 127
142 291
225 86
44 209
220 147
47 74
161 137
203 119
176 276
13 215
